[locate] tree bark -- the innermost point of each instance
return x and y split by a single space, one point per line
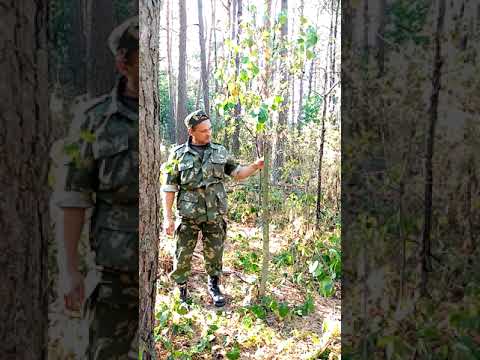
101 73
150 159
181 129
24 154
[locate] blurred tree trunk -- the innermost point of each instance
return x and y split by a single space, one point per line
203 58
100 64
78 47
430 148
182 134
311 73
24 153
171 83
150 199
280 134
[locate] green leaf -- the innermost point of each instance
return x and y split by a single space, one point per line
182 309
228 106
245 59
87 136
282 17
244 76
312 36
326 287
258 311
263 114
247 321
260 127
278 99
310 55
283 310
253 68
234 354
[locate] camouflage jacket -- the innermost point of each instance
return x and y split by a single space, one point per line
199 182
102 171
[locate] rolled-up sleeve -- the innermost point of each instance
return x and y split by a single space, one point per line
80 180
232 166
170 177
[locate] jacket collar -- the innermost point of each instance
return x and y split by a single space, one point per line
116 105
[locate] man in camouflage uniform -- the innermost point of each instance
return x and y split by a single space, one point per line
196 172
102 172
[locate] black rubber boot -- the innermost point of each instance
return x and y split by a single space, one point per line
183 292
214 291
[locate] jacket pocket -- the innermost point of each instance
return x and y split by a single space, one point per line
218 166
115 163
187 171
187 204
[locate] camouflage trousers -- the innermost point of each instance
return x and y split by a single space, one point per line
186 235
112 313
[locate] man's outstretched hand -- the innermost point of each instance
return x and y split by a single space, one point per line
259 164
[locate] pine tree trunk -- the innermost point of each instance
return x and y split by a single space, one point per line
150 159
182 134
24 147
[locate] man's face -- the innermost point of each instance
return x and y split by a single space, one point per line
202 133
128 66
132 68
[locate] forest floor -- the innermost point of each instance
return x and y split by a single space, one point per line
241 329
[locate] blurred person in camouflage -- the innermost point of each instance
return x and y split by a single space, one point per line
196 172
102 172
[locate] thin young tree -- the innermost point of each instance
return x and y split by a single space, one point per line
238 107
283 113
203 58
266 149
302 76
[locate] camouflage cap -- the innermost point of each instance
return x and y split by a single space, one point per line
195 118
124 36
